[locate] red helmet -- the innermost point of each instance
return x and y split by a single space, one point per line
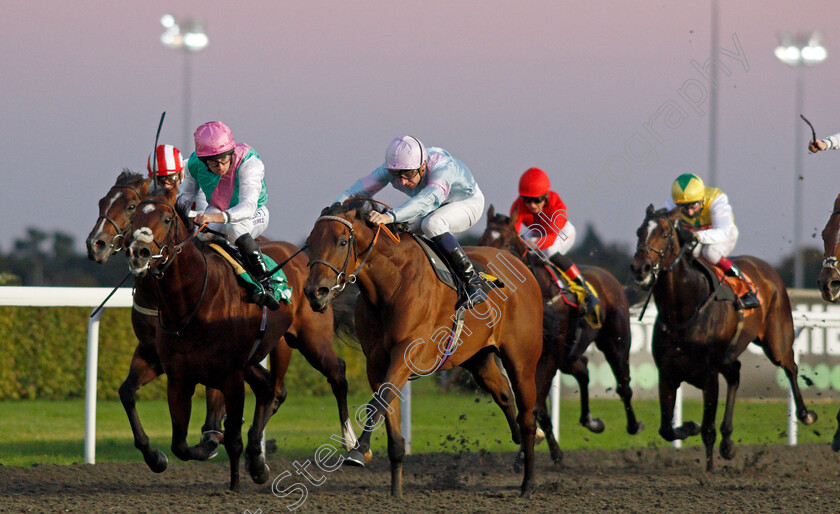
167 161
534 182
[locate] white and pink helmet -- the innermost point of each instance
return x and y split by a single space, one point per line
213 138
165 161
405 153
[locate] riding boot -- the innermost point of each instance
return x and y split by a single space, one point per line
571 270
463 268
257 268
748 300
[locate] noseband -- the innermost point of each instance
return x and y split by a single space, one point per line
120 231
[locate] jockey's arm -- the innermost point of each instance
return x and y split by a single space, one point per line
366 186
250 174
188 192
422 204
832 142
721 213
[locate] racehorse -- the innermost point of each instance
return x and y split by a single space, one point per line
402 307
829 279
215 342
566 336
696 337
105 239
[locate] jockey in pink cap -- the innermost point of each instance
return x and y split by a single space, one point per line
232 176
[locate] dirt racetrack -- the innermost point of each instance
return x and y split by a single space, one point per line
758 479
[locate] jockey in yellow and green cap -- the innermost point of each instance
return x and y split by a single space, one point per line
706 212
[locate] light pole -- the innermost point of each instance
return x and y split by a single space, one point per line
799 51
188 36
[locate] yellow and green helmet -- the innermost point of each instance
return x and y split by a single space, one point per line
688 188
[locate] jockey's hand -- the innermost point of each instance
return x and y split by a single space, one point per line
686 235
209 217
379 218
817 146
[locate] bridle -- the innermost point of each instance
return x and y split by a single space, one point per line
514 236
341 276
168 257
671 238
121 232
831 262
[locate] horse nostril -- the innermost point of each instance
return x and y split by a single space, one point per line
144 253
99 244
646 268
322 292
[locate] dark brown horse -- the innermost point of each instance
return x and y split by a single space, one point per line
829 279
208 330
566 336
404 320
105 239
695 337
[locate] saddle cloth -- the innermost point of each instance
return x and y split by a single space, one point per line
445 274
282 289
567 285
738 286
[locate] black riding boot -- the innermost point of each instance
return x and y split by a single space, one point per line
463 268
569 268
256 267
748 300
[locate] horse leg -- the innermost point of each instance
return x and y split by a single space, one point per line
278 361
732 374
578 369
211 431
360 454
546 369
318 351
616 350
234 391
667 400
143 369
782 355
259 380
835 443
522 378
707 429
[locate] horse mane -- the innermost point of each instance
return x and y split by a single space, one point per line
129 178
361 205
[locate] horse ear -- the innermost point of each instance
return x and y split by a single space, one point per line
650 209
490 213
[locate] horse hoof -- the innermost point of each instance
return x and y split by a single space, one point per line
638 428
261 476
526 491
809 418
594 425
539 436
357 458
727 450
558 459
691 428
157 461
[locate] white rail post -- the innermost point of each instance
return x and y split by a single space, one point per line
554 394
678 405
90 388
792 425
405 417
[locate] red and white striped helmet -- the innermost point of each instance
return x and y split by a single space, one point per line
167 161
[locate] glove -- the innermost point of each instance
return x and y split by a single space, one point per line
686 235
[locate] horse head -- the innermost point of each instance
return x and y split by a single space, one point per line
829 279
115 209
658 247
157 227
334 251
501 233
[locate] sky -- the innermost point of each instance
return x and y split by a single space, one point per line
609 98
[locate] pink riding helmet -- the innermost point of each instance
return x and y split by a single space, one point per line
213 138
405 153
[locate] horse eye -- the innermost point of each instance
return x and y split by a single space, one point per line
342 242
167 221
131 207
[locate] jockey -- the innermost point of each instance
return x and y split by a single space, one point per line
706 212
167 166
543 213
830 143
231 175
445 199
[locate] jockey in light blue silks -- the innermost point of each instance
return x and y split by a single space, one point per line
445 199
231 176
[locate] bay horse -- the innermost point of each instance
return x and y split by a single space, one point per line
106 238
696 337
195 290
829 278
564 343
402 307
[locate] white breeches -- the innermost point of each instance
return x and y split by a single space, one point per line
564 242
255 226
452 217
713 253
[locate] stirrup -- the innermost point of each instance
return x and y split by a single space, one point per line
749 301
268 299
